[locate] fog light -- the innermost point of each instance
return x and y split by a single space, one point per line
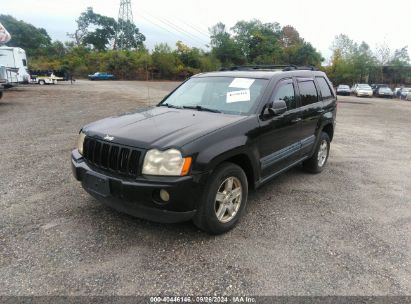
164 195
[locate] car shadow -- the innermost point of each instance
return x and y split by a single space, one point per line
116 225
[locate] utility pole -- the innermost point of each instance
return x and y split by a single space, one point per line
125 19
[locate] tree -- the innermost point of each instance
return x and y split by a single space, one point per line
400 65
401 57
363 61
188 56
305 54
101 37
25 35
224 47
165 60
259 42
101 32
351 62
129 37
289 36
382 56
344 44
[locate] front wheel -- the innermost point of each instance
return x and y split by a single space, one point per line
317 162
41 82
224 199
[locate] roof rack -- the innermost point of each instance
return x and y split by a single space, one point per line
269 67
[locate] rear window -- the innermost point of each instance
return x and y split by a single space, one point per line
324 88
308 92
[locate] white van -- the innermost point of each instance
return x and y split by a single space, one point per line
15 58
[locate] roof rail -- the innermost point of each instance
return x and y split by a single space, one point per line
287 67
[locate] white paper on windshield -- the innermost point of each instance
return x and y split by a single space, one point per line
238 96
241 83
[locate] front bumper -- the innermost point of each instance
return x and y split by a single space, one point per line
139 197
370 94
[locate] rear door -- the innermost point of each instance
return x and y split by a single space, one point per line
311 111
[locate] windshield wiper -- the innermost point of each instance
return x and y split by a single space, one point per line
201 108
170 106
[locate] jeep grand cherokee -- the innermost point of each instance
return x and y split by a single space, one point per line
196 154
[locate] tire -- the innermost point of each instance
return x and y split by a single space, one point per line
41 82
317 162
1 94
210 208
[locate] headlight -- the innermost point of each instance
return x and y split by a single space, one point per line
169 162
80 142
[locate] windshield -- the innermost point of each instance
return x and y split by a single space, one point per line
364 86
223 94
342 86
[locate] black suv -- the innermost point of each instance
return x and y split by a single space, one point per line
196 154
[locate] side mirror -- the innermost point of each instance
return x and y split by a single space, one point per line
277 107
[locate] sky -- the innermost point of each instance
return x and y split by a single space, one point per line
317 21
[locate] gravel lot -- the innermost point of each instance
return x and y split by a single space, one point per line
346 231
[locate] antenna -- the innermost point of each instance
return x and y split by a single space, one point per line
125 19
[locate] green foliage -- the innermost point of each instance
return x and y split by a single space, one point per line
100 32
25 35
254 42
101 43
259 42
224 48
129 36
352 63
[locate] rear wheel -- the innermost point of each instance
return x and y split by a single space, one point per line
317 162
224 199
41 82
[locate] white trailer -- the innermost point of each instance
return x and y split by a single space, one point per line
15 58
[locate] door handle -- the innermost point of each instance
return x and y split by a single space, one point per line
320 111
296 120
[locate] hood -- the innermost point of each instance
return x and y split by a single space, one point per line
159 127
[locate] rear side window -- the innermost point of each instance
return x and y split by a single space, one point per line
308 92
286 92
324 88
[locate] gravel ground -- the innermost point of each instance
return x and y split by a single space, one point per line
343 232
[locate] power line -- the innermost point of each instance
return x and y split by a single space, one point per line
177 28
164 28
194 27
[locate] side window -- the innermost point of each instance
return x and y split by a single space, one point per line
308 92
286 92
24 62
324 88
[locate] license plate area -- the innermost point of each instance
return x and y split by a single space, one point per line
97 184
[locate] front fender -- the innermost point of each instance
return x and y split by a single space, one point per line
215 154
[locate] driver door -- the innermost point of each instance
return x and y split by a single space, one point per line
279 140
